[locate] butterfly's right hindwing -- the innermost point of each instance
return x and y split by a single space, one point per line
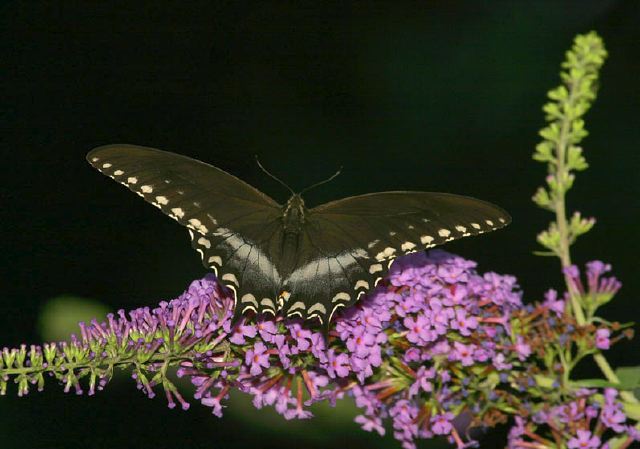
243 265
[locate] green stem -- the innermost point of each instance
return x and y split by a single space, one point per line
564 252
114 361
566 366
560 209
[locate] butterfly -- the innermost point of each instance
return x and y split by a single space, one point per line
290 259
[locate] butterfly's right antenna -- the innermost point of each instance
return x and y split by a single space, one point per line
272 176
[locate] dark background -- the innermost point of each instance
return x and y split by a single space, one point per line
441 96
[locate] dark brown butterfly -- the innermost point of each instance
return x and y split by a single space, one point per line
287 258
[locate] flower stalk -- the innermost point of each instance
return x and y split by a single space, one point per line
569 102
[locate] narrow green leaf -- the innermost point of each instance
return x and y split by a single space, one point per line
595 383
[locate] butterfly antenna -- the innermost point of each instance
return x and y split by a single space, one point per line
331 178
273 176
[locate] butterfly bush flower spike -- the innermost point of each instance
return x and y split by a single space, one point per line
415 353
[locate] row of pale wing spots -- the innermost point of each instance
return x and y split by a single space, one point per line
267 305
427 240
389 253
408 247
176 213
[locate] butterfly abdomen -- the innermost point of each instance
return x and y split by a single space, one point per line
293 214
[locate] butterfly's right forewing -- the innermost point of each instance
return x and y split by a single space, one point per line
231 224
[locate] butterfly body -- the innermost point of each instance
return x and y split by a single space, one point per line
290 259
293 216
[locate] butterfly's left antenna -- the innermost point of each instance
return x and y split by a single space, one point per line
273 176
330 178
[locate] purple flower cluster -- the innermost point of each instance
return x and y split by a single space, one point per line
599 289
405 352
433 342
434 321
586 421
585 418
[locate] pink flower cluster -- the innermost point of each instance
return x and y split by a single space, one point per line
584 422
434 350
407 352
